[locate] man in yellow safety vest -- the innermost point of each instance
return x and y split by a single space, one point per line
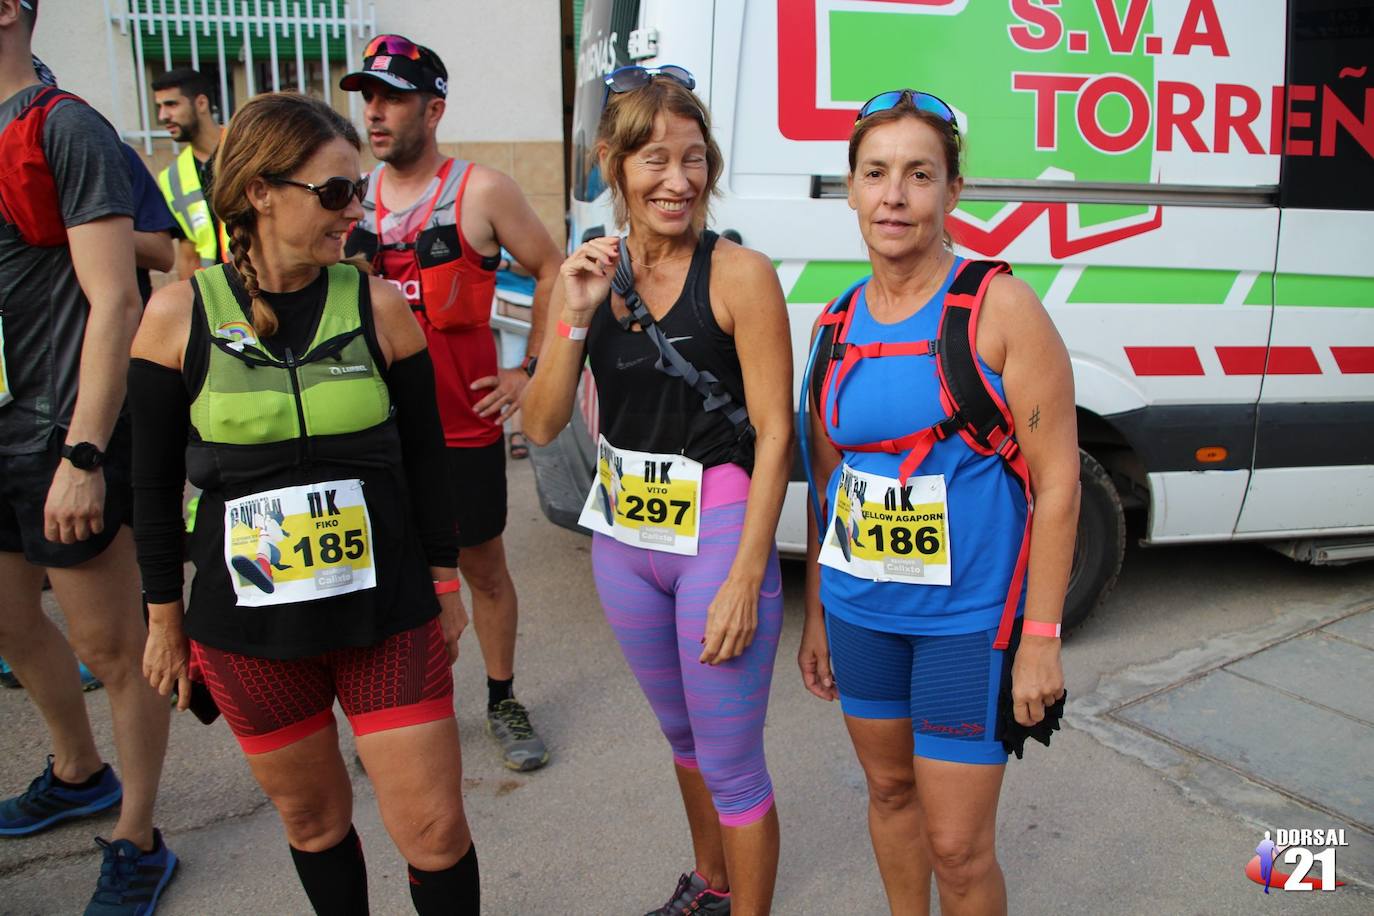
183 109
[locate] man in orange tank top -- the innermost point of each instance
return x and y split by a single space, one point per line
434 227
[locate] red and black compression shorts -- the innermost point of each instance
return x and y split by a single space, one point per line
271 703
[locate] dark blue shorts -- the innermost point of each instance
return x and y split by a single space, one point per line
947 686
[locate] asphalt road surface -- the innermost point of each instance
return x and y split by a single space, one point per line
1088 826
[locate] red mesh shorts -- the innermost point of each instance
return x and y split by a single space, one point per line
270 703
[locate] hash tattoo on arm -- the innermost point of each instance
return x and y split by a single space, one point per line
1035 418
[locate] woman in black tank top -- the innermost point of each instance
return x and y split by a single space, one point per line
691 354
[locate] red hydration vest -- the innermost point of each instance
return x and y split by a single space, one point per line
28 193
456 283
974 411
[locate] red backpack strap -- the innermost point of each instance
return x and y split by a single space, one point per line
43 101
985 418
28 193
834 327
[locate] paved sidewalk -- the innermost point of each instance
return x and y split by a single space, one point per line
1110 820
1275 724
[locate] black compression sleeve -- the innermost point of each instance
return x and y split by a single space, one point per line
411 381
161 411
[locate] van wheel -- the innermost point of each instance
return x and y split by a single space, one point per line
1101 543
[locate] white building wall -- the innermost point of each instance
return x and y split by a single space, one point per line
503 59
503 56
71 38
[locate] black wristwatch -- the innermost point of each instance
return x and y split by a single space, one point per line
529 364
84 456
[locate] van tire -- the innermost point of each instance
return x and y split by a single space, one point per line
1100 546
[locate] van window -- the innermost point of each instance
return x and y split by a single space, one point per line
1328 161
603 46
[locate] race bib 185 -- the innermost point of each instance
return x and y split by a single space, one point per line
883 530
645 499
299 543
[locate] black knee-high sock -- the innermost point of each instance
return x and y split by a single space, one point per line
455 891
335 880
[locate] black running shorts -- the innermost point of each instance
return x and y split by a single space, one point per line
24 483
479 484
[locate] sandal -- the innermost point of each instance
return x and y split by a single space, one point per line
519 446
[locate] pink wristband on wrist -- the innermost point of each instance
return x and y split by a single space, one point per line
1040 628
445 587
570 332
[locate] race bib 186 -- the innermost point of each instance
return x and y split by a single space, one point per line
883 530
299 543
645 499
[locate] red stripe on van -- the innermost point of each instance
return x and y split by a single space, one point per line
798 116
1164 360
1282 361
1354 360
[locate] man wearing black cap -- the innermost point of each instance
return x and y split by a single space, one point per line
434 227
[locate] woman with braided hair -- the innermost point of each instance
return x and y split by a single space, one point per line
298 394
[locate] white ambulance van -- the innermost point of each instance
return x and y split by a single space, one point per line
1187 184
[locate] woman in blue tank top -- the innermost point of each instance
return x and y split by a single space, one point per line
932 588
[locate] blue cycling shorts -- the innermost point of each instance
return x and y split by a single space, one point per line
948 687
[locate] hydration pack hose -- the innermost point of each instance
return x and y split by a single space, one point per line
803 425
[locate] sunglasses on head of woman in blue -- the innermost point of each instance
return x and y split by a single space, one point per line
628 79
923 101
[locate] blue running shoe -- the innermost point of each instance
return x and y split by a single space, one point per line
46 803
89 681
7 676
131 880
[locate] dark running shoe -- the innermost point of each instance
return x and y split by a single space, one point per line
131 880
693 896
521 748
89 681
45 803
8 678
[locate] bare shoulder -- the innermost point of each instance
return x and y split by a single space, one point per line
387 301
734 264
1011 307
166 325
486 184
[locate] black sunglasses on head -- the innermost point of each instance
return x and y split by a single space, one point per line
334 193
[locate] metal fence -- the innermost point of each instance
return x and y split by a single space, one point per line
272 41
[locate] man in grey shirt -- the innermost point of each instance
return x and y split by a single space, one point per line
68 315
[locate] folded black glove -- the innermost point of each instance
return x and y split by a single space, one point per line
1013 734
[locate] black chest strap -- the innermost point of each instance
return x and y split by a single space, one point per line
670 361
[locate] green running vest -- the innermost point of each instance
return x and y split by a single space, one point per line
250 397
259 423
